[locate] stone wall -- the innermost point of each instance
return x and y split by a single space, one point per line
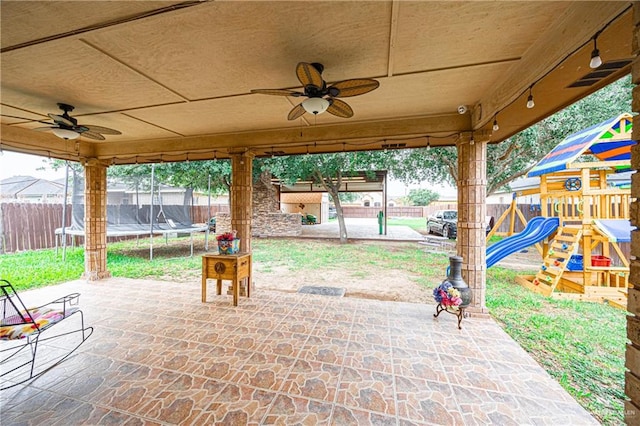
223 223
278 225
267 220
265 197
270 224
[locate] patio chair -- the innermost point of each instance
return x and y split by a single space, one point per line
30 356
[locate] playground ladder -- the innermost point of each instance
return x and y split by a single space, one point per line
564 245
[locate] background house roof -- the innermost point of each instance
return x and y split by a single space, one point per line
29 187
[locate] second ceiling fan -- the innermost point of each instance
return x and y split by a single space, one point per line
320 97
65 126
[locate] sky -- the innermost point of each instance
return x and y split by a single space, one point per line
16 164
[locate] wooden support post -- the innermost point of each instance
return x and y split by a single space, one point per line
544 198
512 217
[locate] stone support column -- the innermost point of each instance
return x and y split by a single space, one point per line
632 355
241 197
472 209
95 221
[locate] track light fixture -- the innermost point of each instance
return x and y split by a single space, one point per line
530 103
495 124
596 61
428 144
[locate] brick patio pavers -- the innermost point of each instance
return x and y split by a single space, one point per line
160 356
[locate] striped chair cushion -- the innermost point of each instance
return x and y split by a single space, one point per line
43 317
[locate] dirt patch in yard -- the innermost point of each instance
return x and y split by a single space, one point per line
375 283
369 280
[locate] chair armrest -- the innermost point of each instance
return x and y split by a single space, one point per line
68 301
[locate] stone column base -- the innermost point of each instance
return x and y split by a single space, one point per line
477 312
96 276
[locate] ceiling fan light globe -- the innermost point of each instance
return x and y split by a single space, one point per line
65 133
315 106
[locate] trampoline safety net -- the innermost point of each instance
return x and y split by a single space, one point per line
131 213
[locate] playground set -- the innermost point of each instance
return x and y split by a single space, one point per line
583 217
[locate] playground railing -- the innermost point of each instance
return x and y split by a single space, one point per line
599 206
610 276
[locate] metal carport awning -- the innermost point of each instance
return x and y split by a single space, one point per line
360 181
356 182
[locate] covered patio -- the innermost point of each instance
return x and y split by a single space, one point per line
177 80
283 358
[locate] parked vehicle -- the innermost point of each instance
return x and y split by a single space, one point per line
443 222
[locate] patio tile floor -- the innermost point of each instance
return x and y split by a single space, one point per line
160 356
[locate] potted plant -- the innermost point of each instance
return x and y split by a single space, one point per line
228 243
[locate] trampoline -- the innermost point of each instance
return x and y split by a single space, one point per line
135 220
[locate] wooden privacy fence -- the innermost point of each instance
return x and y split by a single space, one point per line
25 226
29 226
32 226
528 210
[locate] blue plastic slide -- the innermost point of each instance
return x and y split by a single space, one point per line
536 230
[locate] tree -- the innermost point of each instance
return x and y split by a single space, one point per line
515 156
190 174
422 197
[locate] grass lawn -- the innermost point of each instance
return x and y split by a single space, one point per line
580 344
419 224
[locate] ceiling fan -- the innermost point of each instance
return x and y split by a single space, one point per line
321 98
66 127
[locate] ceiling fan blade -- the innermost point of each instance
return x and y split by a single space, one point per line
44 129
60 119
277 92
92 135
309 75
340 109
355 87
102 130
296 112
25 119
